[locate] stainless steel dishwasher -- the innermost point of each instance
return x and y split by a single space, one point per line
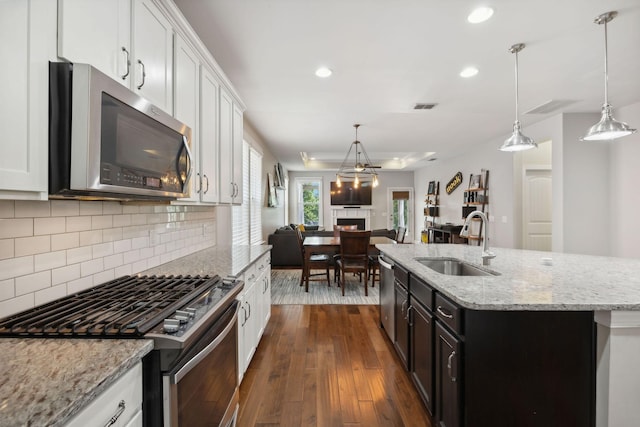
387 303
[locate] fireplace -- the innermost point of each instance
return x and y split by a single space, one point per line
360 222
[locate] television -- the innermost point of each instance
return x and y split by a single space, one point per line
347 195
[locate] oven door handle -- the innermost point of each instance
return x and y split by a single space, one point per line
184 370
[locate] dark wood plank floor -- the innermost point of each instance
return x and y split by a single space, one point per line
325 366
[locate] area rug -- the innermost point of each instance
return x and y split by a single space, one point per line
285 289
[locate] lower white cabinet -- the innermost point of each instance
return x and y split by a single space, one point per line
255 310
122 400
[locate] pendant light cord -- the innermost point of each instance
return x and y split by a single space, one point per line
606 67
517 114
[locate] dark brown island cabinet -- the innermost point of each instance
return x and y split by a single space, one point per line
475 368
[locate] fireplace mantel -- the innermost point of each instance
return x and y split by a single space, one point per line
352 213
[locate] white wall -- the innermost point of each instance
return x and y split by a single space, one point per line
624 187
56 248
379 214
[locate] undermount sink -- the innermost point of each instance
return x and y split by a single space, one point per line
455 267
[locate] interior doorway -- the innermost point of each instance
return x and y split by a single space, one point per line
400 209
536 208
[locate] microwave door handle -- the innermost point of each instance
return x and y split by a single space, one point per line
189 162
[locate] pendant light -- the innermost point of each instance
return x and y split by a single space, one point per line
607 128
517 141
360 168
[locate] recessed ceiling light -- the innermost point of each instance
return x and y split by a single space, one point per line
480 14
323 72
468 72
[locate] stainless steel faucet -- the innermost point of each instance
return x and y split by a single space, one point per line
486 253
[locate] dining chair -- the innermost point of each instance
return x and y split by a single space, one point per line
315 262
400 232
336 233
354 256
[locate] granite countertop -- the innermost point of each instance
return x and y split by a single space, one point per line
529 280
221 260
47 381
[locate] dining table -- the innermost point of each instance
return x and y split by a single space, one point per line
330 245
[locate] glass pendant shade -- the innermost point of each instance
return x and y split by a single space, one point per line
607 128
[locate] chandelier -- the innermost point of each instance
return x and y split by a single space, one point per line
359 168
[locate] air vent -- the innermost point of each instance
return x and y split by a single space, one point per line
550 106
424 106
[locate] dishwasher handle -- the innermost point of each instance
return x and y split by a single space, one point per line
384 263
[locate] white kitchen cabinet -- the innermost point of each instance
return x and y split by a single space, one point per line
97 32
28 31
152 52
209 145
123 399
248 321
230 149
186 105
131 42
264 281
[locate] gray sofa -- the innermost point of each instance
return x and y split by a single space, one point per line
285 252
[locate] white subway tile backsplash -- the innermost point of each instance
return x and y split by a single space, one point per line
65 208
32 209
50 294
91 208
7 289
33 282
6 248
55 248
13 267
81 254
65 274
78 223
7 208
65 241
50 260
51 225
32 245
89 268
88 238
10 228
16 305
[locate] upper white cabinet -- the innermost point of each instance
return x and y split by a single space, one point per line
230 149
186 103
209 137
152 49
27 31
131 42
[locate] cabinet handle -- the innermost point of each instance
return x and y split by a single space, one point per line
249 310
144 74
124 49
443 313
119 411
408 317
244 316
206 179
198 182
449 366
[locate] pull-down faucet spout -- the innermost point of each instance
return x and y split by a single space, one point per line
486 253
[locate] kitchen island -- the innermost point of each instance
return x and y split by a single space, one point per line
531 284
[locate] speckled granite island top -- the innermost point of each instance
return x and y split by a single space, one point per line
47 381
529 280
220 260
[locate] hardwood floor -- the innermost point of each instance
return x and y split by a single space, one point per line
325 366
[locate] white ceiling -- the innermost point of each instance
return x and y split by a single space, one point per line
388 55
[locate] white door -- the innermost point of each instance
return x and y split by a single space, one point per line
536 208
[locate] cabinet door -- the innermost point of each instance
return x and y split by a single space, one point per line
152 45
265 296
402 327
187 91
448 378
209 144
227 185
97 32
28 33
237 138
422 352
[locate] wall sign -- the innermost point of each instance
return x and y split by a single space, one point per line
454 183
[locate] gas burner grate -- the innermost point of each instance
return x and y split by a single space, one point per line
126 307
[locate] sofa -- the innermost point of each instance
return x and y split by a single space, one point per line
285 252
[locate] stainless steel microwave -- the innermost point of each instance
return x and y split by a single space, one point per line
106 142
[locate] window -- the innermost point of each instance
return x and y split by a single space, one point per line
309 198
401 200
247 218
